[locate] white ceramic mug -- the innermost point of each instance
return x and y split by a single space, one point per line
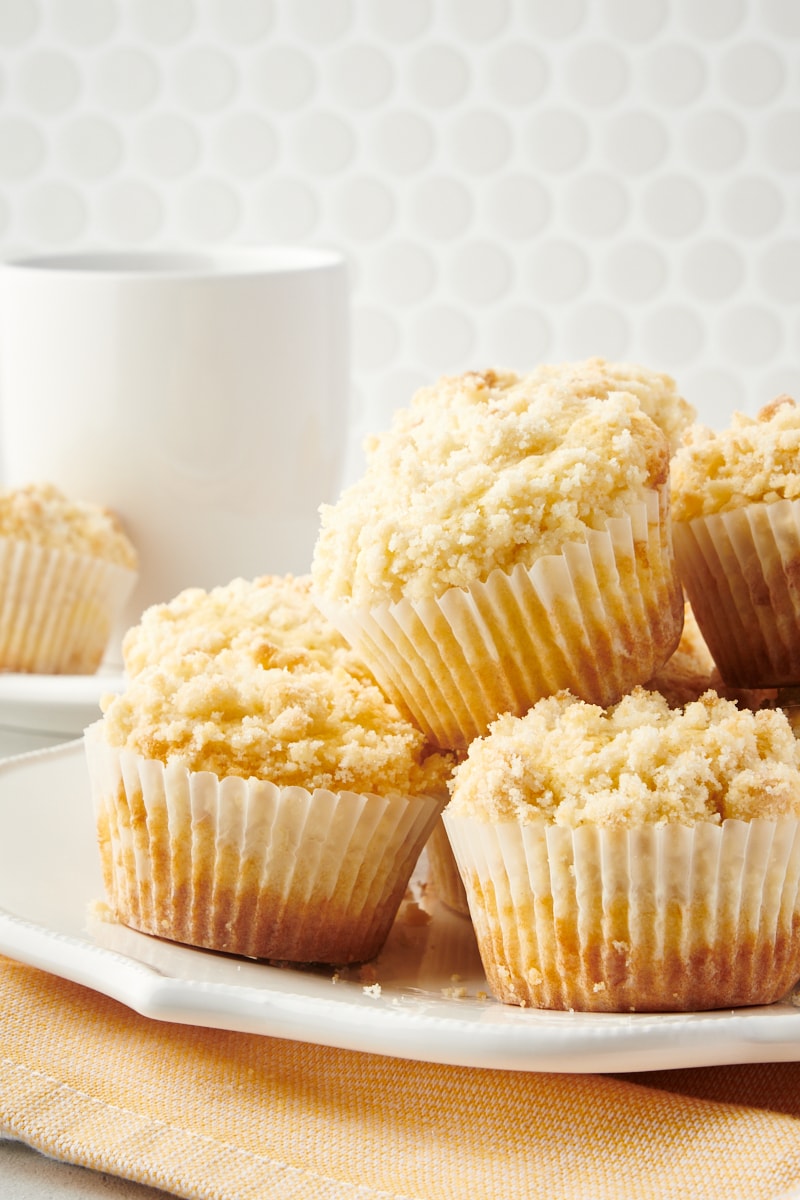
203 397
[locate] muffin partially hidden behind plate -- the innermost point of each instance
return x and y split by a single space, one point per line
255 799
638 858
66 569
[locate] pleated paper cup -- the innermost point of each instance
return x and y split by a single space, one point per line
651 919
250 868
443 873
741 571
597 619
57 608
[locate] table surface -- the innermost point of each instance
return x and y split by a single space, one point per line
27 1175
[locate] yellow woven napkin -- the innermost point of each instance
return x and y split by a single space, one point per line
229 1116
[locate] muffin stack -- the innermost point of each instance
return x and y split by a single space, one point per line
506 569
496 615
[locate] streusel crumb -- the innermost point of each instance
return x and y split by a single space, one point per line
487 470
274 608
656 392
41 513
639 762
754 459
272 713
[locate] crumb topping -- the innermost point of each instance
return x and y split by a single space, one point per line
243 614
639 762
486 470
274 713
754 459
656 392
41 513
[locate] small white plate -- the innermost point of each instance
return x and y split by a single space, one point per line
57 705
424 998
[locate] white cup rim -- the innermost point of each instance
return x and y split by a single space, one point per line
178 264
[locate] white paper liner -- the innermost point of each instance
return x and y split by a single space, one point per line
598 619
443 871
741 571
57 608
658 918
247 867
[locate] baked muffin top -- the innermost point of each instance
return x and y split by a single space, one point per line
42 514
269 712
754 459
486 470
656 392
640 762
243 613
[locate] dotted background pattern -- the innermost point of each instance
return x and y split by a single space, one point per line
511 180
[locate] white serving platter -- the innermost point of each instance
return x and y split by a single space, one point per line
424 998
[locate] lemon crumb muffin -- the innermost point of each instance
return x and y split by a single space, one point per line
67 567
257 802
633 858
736 509
509 537
277 607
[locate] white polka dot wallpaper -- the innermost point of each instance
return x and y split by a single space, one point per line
510 180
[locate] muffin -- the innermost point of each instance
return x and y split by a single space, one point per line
637 858
278 607
257 802
67 568
281 608
509 538
736 531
